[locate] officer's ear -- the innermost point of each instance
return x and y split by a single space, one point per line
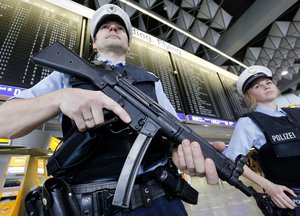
94 44
252 100
248 96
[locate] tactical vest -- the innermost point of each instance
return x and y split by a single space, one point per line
107 160
280 156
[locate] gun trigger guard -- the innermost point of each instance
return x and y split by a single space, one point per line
104 124
119 131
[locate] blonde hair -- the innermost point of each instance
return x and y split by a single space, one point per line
251 99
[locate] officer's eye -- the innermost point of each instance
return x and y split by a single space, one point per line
105 26
121 28
256 86
269 82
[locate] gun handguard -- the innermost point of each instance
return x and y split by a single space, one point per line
140 107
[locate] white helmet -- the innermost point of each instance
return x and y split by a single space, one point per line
250 74
108 12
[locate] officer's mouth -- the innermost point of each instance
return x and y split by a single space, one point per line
112 36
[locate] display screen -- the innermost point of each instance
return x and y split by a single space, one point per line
202 90
13 182
26 28
156 60
17 165
238 104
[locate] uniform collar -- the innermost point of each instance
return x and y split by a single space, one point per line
108 62
277 112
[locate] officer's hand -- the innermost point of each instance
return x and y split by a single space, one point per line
85 107
278 194
189 159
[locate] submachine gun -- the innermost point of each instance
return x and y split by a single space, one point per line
148 118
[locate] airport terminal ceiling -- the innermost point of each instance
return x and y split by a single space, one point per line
265 32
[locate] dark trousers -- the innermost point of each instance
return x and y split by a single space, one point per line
160 207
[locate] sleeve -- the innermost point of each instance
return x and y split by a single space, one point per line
245 136
53 82
162 98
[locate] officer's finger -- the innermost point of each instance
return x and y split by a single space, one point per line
278 204
88 117
188 156
287 198
198 159
181 159
281 200
80 124
97 114
110 104
219 145
290 191
287 202
211 172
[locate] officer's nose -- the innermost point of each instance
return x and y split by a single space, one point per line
266 86
112 27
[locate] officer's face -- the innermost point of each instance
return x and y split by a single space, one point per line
264 90
111 36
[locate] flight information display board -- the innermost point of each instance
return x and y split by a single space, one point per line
158 61
26 28
238 103
202 90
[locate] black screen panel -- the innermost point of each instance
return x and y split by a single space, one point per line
238 104
202 91
26 28
158 61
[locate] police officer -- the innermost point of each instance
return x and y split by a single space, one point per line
81 102
273 132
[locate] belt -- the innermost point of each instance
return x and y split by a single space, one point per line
96 198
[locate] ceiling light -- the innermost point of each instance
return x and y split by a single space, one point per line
284 72
74 7
172 25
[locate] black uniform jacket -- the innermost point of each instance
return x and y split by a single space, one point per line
112 147
280 156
